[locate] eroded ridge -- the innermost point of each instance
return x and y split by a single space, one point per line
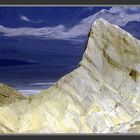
101 96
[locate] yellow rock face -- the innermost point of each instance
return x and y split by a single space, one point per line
101 96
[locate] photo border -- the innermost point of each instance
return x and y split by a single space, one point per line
69 3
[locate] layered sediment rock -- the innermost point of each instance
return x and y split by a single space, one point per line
9 95
101 96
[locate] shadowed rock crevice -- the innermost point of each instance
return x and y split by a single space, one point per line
133 74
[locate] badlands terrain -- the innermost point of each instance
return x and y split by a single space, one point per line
101 96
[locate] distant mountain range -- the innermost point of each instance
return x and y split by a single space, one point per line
42 16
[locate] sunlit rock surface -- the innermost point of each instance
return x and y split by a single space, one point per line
101 96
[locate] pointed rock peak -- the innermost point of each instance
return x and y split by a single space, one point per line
102 24
108 42
101 20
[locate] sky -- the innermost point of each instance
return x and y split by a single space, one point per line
42 44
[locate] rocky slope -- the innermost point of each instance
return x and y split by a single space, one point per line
9 95
101 96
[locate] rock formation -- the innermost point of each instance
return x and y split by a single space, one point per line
101 96
9 95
